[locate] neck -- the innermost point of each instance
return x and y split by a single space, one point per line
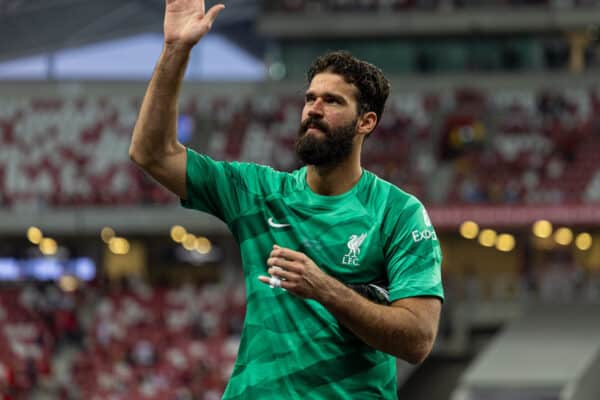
334 180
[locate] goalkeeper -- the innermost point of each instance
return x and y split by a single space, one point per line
305 236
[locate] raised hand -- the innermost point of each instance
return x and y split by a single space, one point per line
186 21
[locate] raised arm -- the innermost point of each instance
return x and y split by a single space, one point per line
154 145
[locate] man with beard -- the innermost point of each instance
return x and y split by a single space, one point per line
305 236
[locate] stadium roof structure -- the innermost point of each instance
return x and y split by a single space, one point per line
30 27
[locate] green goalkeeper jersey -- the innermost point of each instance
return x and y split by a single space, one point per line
293 348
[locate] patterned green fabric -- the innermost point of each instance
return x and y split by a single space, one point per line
293 348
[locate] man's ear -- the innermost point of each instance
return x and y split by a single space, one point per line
367 123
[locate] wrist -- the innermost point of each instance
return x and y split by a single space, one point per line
331 291
173 47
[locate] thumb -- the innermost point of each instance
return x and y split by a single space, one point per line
211 14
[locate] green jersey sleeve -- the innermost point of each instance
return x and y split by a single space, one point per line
216 187
412 252
228 189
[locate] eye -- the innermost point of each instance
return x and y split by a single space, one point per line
309 98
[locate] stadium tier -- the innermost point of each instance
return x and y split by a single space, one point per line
28 334
153 343
136 341
485 148
404 5
110 290
139 343
516 147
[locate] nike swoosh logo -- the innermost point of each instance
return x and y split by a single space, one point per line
276 225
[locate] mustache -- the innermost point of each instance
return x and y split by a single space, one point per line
312 122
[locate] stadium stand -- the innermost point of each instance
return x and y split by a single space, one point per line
131 340
502 147
137 342
406 5
155 343
34 322
499 141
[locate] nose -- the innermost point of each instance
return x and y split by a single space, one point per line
316 108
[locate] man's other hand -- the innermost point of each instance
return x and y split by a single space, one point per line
298 274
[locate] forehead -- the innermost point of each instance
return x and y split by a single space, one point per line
327 82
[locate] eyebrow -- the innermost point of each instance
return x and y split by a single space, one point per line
337 97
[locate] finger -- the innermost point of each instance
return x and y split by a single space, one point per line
274 281
287 253
283 263
282 274
285 285
275 271
211 14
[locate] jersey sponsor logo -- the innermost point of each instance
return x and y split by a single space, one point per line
351 258
274 224
427 234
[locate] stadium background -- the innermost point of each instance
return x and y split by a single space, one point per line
109 290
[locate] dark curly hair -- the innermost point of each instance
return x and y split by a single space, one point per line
373 87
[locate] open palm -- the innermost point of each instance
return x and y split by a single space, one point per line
186 21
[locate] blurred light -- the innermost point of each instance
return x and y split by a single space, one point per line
203 245
469 230
543 244
583 241
277 71
119 246
189 241
45 269
84 268
542 229
487 238
35 235
185 128
106 234
178 232
68 283
563 236
10 270
505 242
48 246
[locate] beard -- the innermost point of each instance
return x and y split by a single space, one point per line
329 150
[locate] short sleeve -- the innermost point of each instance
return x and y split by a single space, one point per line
412 253
213 186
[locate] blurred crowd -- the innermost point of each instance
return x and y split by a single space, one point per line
458 147
133 341
35 320
558 280
153 343
128 341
